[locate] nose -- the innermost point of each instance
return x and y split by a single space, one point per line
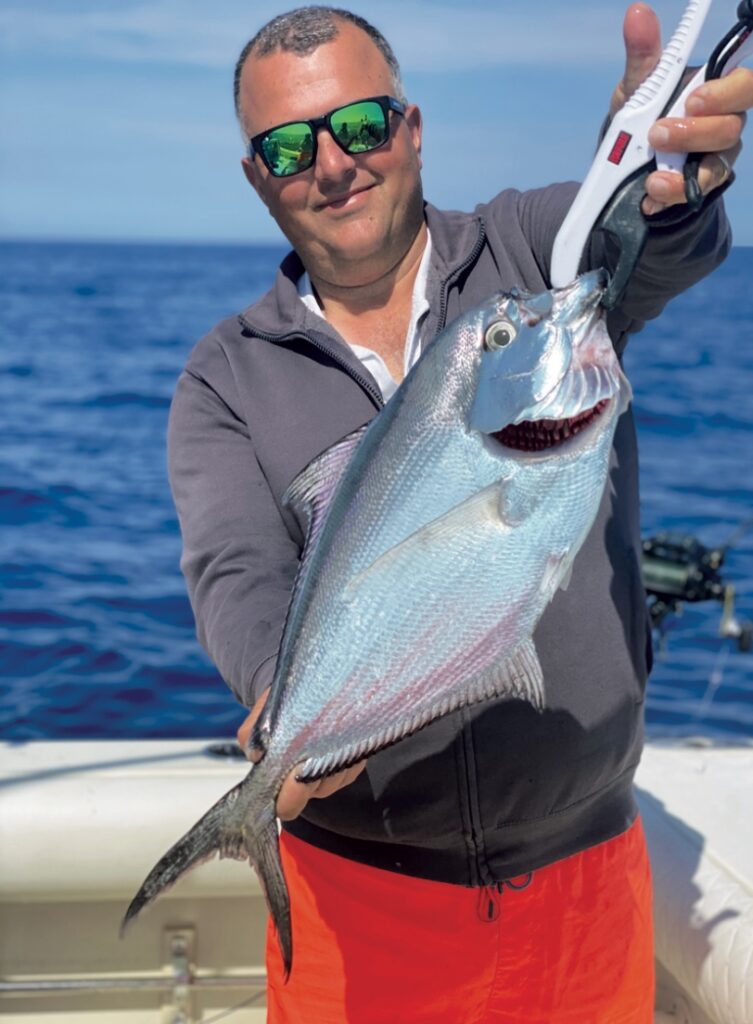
332 163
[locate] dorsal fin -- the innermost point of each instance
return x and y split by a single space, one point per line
310 494
308 497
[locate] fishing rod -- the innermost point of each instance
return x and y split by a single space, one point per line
678 569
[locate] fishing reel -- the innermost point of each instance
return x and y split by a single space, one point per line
676 569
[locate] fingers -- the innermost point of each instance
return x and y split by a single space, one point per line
713 125
666 188
294 795
244 731
246 727
713 134
728 95
642 36
715 117
717 136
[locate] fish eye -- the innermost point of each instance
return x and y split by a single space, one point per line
499 334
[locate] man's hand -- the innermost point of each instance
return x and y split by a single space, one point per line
294 796
713 125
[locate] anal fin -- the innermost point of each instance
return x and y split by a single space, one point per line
518 676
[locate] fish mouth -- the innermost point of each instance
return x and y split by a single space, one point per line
537 435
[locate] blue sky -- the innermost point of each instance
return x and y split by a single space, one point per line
117 114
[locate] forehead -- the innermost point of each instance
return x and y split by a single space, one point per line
283 86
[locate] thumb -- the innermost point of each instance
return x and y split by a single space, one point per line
642 35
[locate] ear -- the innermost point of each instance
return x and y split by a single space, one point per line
415 124
253 177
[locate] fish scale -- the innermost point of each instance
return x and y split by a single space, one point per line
432 553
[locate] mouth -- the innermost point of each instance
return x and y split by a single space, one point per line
537 435
343 201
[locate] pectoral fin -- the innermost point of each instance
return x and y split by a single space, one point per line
483 509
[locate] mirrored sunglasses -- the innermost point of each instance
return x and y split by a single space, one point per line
357 127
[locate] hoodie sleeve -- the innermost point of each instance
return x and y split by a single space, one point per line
676 256
681 249
239 560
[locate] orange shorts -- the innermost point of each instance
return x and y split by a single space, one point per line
373 947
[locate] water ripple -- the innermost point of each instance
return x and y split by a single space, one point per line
96 634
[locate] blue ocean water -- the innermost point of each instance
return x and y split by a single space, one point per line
96 634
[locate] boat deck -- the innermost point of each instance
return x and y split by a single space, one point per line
81 822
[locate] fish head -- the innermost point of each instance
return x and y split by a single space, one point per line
546 366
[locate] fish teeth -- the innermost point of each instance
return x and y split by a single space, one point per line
536 435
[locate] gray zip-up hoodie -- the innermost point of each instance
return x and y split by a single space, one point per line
489 792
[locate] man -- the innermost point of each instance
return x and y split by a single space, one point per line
490 867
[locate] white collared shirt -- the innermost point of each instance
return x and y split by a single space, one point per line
370 359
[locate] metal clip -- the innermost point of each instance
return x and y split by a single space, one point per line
179 946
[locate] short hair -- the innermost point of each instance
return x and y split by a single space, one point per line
302 31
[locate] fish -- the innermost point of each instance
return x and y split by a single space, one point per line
436 535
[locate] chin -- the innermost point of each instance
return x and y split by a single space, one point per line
369 239
355 246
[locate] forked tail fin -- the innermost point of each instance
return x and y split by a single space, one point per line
219 831
241 825
264 847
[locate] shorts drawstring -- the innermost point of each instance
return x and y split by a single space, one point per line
488 903
488 907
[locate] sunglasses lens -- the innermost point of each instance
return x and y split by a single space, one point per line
357 127
360 127
289 149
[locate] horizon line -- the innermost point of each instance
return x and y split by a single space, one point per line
270 243
266 243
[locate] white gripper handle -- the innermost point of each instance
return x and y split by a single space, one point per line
625 146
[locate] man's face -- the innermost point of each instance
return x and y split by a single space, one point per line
351 218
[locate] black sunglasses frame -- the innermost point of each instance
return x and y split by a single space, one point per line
387 103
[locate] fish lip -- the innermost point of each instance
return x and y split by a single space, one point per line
587 289
585 421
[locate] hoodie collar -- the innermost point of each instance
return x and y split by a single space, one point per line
280 312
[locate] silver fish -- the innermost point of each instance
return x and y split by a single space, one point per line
436 537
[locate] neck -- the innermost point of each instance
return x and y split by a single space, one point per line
387 290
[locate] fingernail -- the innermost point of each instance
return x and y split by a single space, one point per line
695 104
658 136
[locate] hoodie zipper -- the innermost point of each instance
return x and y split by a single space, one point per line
367 386
470 258
474 836
474 832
